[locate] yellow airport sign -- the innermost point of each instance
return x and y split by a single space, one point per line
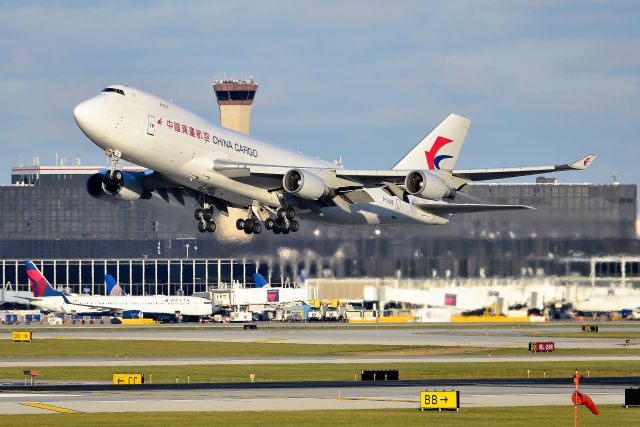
128 379
22 336
439 400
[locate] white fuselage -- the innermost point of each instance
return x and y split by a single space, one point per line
608 303
159 135
153 304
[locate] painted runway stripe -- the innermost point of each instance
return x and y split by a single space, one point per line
51 408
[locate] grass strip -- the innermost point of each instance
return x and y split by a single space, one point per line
81 348
548 416
330 372
84 348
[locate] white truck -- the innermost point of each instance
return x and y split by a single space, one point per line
334 314
315 314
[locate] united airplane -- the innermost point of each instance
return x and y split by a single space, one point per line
272 187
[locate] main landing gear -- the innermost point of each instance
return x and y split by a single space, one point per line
249 225
205 220
284 223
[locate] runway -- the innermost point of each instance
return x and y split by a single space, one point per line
245 398
514 338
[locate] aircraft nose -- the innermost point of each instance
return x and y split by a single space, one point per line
89 117
82 114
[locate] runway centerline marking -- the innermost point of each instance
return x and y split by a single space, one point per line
51 408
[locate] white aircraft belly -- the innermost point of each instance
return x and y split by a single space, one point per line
378 213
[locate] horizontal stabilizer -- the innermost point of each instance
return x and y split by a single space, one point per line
453 208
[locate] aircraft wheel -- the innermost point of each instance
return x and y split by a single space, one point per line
248 224
208 214
202 227
290 213
116 175
294 226
198 214
211 226
269 223
240 224
282 213
285 230
257 228
276 229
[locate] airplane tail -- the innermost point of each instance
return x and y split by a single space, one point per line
113 288
439 149
260 281
40 286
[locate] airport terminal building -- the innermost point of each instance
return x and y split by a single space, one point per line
46 213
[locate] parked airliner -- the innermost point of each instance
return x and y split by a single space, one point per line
153 306
222 169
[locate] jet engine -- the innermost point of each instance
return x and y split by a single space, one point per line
118 185
304 184
427 186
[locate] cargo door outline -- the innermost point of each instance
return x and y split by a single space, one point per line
151 125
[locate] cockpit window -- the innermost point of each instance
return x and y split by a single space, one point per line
112 89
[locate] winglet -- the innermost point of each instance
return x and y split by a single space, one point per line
583 162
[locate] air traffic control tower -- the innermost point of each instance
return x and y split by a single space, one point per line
235 98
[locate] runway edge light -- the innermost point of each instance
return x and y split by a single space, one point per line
432 400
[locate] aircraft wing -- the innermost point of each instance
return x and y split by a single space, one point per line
350 179
454 208
345 183
501 173
28 298
99 308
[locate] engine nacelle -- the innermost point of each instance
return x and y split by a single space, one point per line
304 184
118 185
427 186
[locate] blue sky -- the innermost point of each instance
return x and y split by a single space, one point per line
543 82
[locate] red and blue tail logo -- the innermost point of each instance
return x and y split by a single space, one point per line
433 160
113 288
39 284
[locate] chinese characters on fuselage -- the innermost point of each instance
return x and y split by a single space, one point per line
204 136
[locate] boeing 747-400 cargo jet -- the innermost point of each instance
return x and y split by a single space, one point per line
222 169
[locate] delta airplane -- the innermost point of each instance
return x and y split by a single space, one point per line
222 169
154 306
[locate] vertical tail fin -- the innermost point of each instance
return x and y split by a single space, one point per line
113 288
40 286
260 281
439 149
